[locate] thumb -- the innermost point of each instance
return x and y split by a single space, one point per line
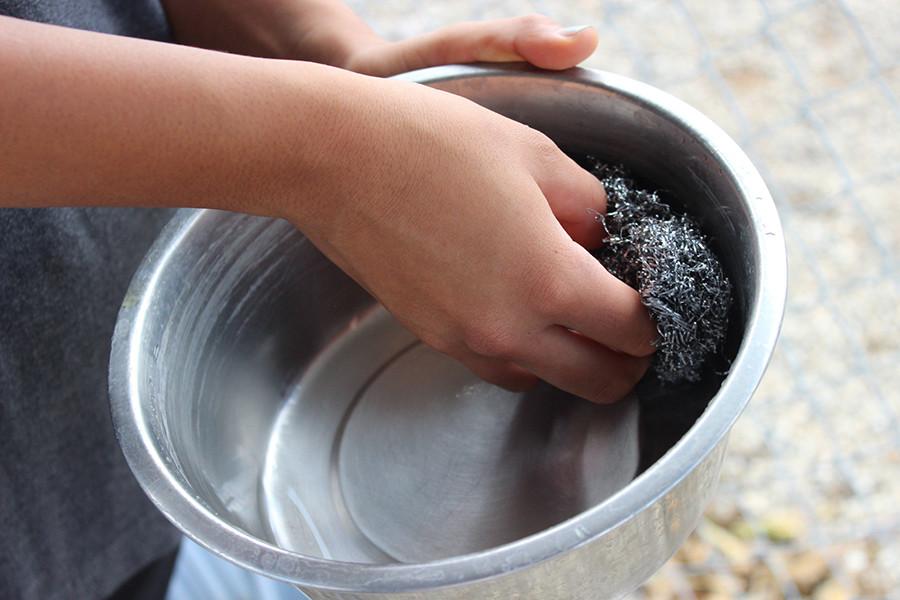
575 196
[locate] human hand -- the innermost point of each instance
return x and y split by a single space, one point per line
464 224
471 229
329 32
536 39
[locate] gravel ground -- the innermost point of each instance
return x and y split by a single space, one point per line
809 504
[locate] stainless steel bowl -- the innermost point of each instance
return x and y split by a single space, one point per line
277 415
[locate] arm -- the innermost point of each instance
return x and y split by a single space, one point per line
102 120
105 120
324 31
327 31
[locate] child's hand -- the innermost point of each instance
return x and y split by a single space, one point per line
471 229
534 38
329 32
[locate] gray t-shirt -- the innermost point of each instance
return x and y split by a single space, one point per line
73 521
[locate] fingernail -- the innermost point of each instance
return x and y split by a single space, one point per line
572 31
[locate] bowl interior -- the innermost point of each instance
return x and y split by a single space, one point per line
292 406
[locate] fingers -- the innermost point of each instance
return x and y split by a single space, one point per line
598 305
534 38
551 47
499 372
581 366
575 196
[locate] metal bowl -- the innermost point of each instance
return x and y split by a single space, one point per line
277 415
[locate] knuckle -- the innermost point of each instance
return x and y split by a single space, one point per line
534 20
549 288
545 148
593 188
441 343
551 295
494 342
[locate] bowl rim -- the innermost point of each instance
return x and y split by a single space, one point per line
223 539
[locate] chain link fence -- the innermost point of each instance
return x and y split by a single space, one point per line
809 503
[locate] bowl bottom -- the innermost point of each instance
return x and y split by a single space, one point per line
387 451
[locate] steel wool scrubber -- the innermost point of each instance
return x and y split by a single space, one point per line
666 257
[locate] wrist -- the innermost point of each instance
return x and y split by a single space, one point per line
140 123
296 153
330 42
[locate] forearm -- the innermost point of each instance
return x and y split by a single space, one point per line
324 31
442 209
92 119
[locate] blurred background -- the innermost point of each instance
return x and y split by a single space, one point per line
809 502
